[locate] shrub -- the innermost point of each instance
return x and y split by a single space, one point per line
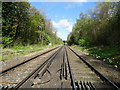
85 42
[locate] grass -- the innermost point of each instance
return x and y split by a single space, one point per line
109 54
17 51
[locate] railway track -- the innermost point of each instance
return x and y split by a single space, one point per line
65 69
86 76
17 65
53 70
12 76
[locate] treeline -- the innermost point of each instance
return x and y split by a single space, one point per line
22 24
100 26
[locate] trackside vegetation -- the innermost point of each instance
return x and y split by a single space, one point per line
20 51
25 30
24 25
98 32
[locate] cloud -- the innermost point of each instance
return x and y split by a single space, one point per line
63 24
63 27
73 5
58 33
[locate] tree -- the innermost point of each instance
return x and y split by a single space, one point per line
20 25
99 27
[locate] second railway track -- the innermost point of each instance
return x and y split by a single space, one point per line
14 66
53 73
13 75
65 69
86 76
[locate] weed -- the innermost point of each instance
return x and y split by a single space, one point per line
110 54
17 51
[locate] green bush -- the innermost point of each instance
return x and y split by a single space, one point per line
82 42
47 39
85 42
7 41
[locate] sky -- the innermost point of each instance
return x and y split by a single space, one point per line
63 14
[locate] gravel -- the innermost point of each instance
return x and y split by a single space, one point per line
104 68
11 78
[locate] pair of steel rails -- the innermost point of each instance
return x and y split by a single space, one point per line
48 62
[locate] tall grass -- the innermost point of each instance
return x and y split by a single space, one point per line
17 51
